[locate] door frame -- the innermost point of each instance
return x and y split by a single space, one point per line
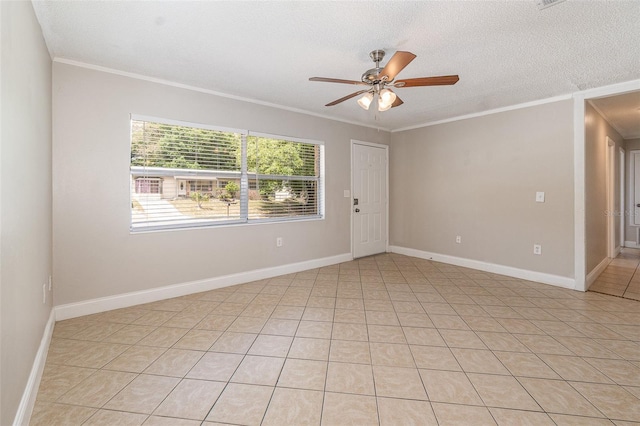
374 145
623 217
631 190
610 173
579 172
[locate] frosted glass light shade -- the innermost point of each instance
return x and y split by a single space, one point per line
383 107
387 96
365 100
386 99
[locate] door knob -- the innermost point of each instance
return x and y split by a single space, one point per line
358 210
637 205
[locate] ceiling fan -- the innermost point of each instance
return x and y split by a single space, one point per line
378 78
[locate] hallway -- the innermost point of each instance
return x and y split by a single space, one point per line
621 278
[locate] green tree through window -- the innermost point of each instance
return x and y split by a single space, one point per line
181 147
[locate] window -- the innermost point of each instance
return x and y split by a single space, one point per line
200 186
285 176
185 175
148 185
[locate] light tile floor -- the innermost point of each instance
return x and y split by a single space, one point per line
389 340
622 276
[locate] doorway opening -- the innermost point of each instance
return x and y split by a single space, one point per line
605 129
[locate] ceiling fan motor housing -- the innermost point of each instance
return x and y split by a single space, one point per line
372 76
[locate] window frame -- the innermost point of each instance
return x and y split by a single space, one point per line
142 227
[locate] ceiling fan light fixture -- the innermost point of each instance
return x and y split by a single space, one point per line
386 98
377 78
365 100
383 107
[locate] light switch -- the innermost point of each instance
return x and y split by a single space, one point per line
539 197
347 193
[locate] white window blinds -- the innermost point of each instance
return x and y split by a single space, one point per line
185 175
285 176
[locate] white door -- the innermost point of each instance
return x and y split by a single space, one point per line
369 209
182 188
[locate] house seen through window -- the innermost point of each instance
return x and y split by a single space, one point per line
185 175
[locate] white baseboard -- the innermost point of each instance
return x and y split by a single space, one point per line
94 306
617 251
631 244
595 273
524 274
28 399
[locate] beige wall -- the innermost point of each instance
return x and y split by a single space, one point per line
94 253
477 178
25 197
630 232
596 132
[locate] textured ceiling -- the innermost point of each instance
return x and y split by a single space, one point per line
506 52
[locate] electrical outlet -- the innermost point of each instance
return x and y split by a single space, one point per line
279 242
539 197
537 249
458 239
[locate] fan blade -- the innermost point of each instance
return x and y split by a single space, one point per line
353 95
397 102
443 80
396 64
337 80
